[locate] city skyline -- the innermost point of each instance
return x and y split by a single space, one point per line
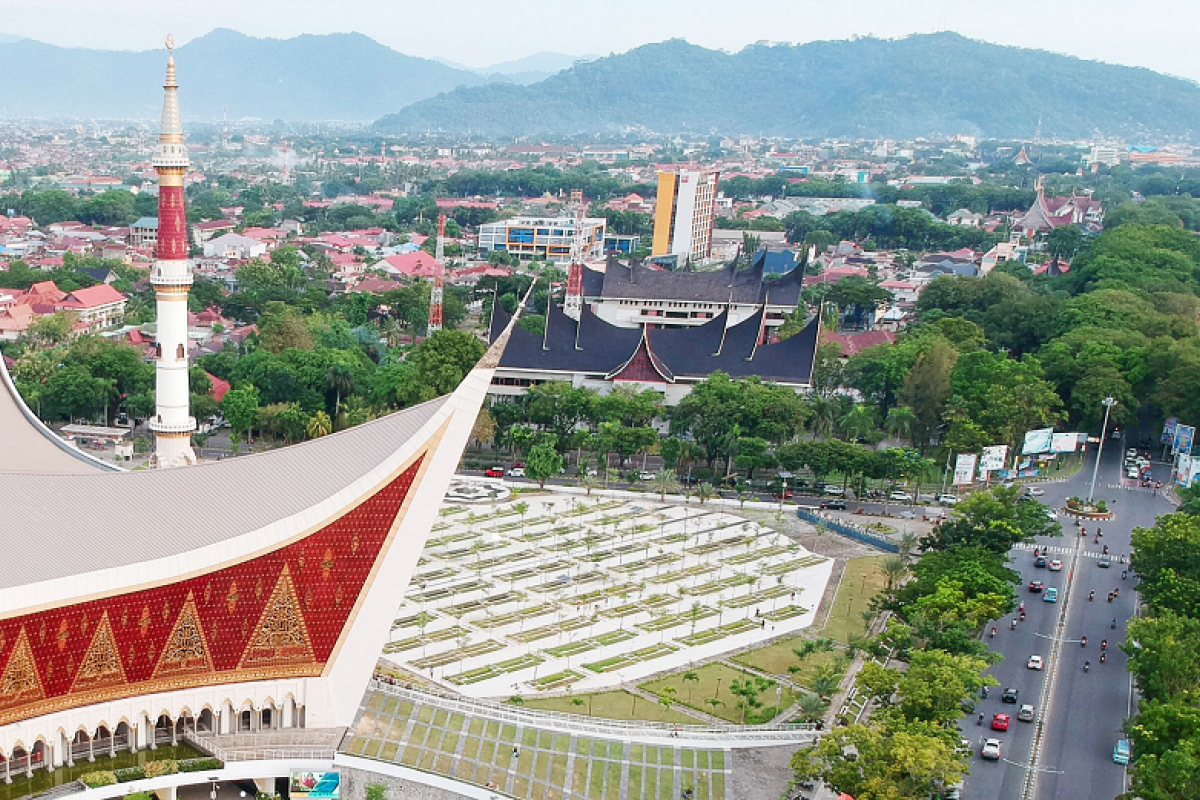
464 32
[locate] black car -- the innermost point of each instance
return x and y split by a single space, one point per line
837 505
1009 696
1105 562
1036 586
1040 561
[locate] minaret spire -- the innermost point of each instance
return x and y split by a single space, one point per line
171 278
438 290
573 297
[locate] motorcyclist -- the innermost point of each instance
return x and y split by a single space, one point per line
1104 644
993 631
1113 624
1102 657
980 719
1116 592
1014 624
1124 574
1021 607
1104 550
1091 595
1083 642
1087 665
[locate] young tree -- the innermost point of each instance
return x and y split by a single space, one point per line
542 463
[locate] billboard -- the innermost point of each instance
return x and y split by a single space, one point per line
964 468
316 784
1038 441
1064 442
1186 468
993 457
1169 429
1184 434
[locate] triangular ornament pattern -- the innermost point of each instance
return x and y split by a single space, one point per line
281 635
186 651
20 683
101 666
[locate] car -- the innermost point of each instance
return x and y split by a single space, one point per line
926 498
1008 484
1010 695
1105 562
645 476
1050 595
835 505
1000 722
1036 586
965 748
1039 561
494 472
1055 565
1131 473
1026 714
1035 662
782 494
899 496
947 500
836 491
689 480
1131 453
516 472
1036 491
1121 752
1050 515
991 750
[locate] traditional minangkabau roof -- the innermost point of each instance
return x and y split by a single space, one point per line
595 347
744 286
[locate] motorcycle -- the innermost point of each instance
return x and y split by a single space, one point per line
1014 625
1102 657
1104 645
1083 642
993 631
1022 616
980 722
1113 624
1087 665
1092 595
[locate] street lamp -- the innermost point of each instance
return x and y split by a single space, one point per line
1108 404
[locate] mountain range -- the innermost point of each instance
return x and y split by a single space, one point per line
527 70
308 78
919 85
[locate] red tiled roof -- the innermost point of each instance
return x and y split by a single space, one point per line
854 343
219 387
99 295
418 264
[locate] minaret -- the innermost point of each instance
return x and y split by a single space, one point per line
438 290
171 278
573 297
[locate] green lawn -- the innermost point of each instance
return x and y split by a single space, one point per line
697 693
860 583
611 705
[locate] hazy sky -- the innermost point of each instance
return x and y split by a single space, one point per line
1159 34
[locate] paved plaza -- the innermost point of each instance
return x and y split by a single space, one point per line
561 593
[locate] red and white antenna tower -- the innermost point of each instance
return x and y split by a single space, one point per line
573 299
435 295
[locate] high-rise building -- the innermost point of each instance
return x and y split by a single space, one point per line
684 215
172 279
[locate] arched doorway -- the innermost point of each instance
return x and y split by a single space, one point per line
121 735
206 722
164 730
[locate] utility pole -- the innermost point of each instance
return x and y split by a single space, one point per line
1108 404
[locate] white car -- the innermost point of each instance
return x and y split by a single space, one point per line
1035 662
899 496
645 476
1131 473
1027 713
1036 491
947 499
516 472
836 491
1055 565
991 750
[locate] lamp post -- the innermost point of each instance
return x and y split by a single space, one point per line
1108 404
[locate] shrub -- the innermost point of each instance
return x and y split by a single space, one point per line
95 780
200 764
1102 507
156 769
376 791
125 774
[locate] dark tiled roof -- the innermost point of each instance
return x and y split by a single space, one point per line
637 282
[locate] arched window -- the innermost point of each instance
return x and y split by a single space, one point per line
157 350
180 353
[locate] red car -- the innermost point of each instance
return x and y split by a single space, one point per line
785 494
1000 722
494 472
1036 586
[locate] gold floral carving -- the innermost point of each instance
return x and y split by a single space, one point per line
354 544
207 593
337 596
20 682
258 589
166 611
144 621
281 635
102 665
124 618
187 650
42 633
63 635
231 597
83 624
3 641
327 564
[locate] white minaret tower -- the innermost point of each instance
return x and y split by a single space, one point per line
171 278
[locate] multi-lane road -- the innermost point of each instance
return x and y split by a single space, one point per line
1067 751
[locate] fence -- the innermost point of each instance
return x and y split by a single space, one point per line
848 530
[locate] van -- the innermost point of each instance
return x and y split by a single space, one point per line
1121 752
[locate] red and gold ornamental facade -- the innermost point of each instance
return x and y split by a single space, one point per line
279 614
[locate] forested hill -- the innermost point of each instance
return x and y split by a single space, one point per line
920 85
307 78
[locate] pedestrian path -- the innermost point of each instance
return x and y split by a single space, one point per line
1132 486
1056 550
526 762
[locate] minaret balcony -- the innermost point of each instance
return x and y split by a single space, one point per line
158 426
162 278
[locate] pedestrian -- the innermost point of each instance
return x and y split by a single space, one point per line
516 751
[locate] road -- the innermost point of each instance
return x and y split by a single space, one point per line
1083 712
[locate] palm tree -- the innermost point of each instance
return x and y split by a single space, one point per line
906 545
341 380
516 700
667 697
521 508
858 422
894 569
664 483
705 491
578 702
900 422
812 707
823 414
714 702
392 332
825 683
319 425
690 677
589 482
